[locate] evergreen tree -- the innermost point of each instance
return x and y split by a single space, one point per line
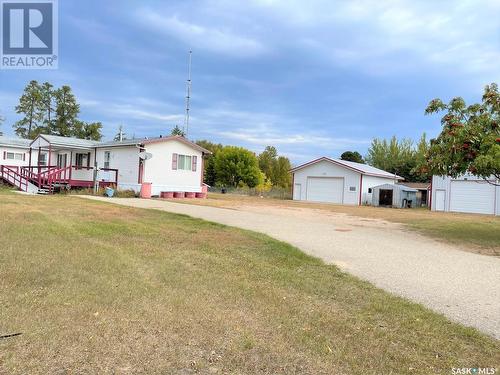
29 106
67 110
120 136
178 131
46 108
86 130
210 175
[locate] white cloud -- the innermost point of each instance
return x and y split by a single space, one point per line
141 109
374 36
216 39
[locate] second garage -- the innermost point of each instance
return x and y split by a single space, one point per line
325 189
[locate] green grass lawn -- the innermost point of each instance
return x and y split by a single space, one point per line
99 288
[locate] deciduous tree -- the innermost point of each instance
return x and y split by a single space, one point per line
236 166
352 156
393 156
276 168
470 138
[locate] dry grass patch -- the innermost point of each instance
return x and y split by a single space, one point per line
99 288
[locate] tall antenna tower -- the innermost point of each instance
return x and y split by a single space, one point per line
188 96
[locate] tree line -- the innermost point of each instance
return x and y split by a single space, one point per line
232 166
469 142
49 110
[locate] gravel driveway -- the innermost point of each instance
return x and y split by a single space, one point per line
463 286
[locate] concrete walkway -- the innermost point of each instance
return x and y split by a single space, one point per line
463 286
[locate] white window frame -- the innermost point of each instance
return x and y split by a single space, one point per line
107 159
14 156
42 159
186 164
84 160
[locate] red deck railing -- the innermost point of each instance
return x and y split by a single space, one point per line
50 176
12 176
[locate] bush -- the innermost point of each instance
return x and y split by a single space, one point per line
129 193
274 192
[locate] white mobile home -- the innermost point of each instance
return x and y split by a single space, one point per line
170 164
338 181
468 194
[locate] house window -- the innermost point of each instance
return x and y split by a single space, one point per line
370 190
14 156
82 160
107 158
62 160
352 188
42 159
184 162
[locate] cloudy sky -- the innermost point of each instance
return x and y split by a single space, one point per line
313 78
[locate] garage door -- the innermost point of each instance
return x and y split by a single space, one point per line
325 189
472 196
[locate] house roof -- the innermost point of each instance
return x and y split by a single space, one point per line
71 142
58 141
395 186
364 169
14 142
418 185
146 141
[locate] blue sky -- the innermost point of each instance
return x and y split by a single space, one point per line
313 78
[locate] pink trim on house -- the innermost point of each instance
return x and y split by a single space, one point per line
194 160
176 138
174 161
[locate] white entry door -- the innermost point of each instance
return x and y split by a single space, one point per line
297 192
325 189
440 200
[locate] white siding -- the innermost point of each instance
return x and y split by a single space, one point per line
126 160
352 179
17 163
158 170
466 194
327 169
370 182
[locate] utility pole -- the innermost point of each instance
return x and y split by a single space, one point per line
188 96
